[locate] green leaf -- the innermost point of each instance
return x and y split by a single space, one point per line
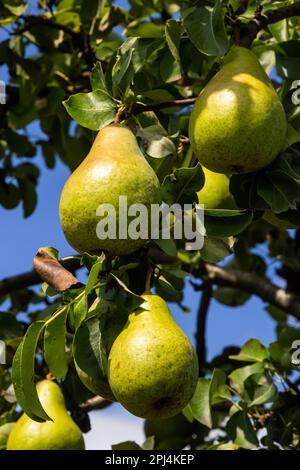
225 222
260 389
93 275
218 393
182 185
80 309
16 8
89 352
205 28
252 351
216 249
238 376
126 445
170 70
123 71
98 78
240 430
167 246
55 344
156 141
23 374
135 300
10 195
9 326
173 32
230 296
149 443
93 110
287 59
200 403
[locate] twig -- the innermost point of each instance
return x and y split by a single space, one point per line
95 403
138 108
201 324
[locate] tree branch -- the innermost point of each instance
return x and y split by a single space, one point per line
138 108
245 33
95 403
245 281
201 324
253 284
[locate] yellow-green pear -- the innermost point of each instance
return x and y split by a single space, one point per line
238 124
215 193
60 434
152 366
228 447
114 167
5 430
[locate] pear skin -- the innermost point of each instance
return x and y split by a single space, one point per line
152 366
60 434
114 167
215 193
238 124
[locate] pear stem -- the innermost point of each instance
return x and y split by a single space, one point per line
188 158
148 280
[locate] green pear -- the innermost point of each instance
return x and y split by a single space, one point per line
5 430
152 366
215 193
60 434
114 167
238 124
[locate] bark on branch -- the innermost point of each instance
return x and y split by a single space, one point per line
245 281
201 324
138 108
245 33
253 284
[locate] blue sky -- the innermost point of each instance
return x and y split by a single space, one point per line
19 240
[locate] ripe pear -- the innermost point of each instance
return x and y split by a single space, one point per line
215 193
152 366
238 124
114 167
60 434
5 430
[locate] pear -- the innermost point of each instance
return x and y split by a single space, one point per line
60 434
215 193
5 430
114 167
238 124
152 366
